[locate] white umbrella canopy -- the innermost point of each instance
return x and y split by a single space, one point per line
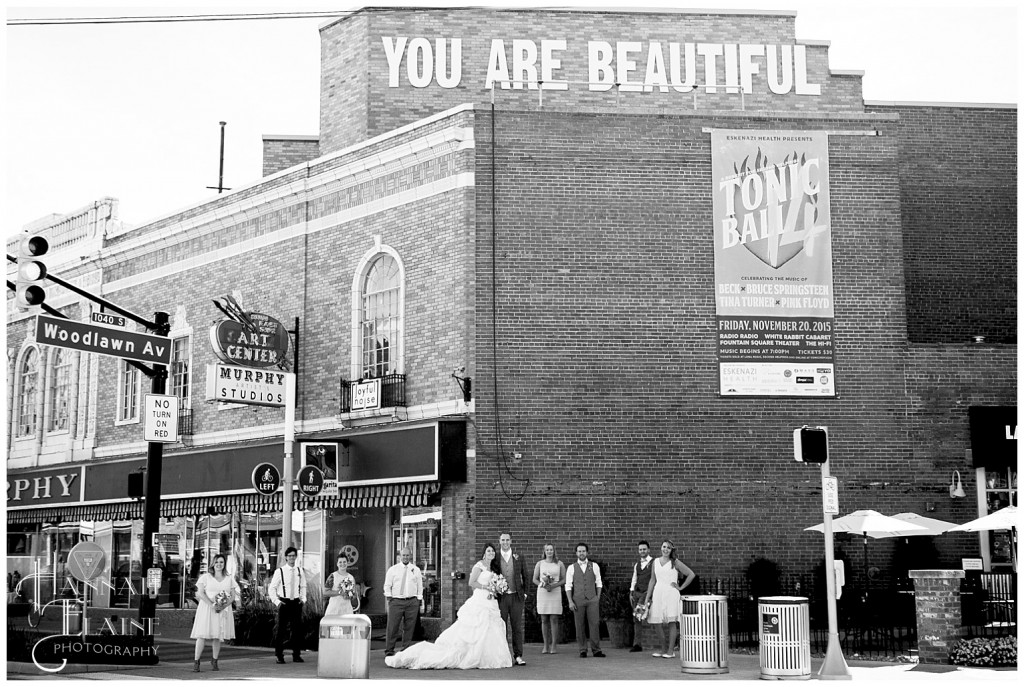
871 523
932 526
1003 519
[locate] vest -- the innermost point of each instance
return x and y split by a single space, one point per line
643 575
508 570
584 584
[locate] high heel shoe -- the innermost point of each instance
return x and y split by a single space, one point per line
195 666
213 662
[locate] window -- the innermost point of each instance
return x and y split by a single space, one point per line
128 394
29 386
1000 491
180 356
60 390
380 322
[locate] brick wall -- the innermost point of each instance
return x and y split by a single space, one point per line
282 152
357 100
606 360
958 195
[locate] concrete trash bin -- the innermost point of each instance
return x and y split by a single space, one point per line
704 634
785 637
344 648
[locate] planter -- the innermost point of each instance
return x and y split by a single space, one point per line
620 633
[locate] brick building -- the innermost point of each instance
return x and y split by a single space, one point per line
552 239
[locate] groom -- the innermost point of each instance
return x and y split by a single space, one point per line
512 603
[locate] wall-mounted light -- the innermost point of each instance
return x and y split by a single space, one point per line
956 487
465 384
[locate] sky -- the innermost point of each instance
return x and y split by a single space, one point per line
132 111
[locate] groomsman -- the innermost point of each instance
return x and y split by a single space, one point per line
513 603
583 587
287 591
638 587
403 591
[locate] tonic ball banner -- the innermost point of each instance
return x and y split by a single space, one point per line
773 263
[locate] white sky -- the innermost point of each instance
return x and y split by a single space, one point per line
132 110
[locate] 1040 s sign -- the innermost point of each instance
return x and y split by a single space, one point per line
260 342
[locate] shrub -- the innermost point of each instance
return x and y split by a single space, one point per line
985 651
255 618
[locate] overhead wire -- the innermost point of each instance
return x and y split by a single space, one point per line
173 18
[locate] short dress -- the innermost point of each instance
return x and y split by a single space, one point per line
209 624
339 605
549 601
665 599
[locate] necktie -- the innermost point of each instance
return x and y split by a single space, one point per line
405 577
291 584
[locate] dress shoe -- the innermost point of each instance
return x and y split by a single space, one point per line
297 659
598 654
280 659
583 654
520 661
636 648
389 653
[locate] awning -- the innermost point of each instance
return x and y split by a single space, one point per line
376 496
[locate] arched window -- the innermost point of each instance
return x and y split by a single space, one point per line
381 321
29 389
60 390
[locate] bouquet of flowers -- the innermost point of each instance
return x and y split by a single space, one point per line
640 612
548 580
221 601
346 587
497 586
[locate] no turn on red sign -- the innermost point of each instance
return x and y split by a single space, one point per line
161 413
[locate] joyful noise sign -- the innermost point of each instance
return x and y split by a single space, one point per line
638 66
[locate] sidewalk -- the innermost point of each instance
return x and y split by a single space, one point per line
620 664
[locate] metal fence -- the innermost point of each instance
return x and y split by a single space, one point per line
873 622
392 392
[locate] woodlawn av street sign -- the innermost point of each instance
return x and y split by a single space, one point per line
94 338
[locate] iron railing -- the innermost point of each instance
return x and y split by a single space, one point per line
185 428
392 392
988 604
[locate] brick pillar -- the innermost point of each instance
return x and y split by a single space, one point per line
939 622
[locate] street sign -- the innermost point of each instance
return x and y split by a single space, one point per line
311 480
830 495
86 561
161 415
266 479
94 338
108 319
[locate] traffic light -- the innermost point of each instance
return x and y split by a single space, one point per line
31 272
810 444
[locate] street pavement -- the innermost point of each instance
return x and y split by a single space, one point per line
255 663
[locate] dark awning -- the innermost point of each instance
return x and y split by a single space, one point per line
377 496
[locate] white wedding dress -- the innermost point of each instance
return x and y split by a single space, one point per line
475 640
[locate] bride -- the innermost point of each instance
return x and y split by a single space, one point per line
475 640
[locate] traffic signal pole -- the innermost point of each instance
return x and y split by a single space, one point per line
154 470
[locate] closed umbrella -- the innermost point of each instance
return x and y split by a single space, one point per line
870 523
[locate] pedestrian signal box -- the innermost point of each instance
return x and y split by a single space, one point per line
810 444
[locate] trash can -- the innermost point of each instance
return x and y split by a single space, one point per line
785 637
344 648
704 634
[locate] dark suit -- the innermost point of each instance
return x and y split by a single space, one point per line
513 603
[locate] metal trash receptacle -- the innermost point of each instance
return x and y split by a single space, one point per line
344 648
785 637
704 634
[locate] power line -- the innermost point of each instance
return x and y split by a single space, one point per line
172 18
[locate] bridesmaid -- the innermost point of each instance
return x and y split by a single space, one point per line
214 619
549 576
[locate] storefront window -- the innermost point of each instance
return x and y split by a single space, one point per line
1000 491
421 534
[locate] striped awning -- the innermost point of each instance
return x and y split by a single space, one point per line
376 496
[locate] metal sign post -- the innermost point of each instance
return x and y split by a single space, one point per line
834 667
289 463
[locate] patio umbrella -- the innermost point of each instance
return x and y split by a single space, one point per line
870 523
931 526
1003 519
